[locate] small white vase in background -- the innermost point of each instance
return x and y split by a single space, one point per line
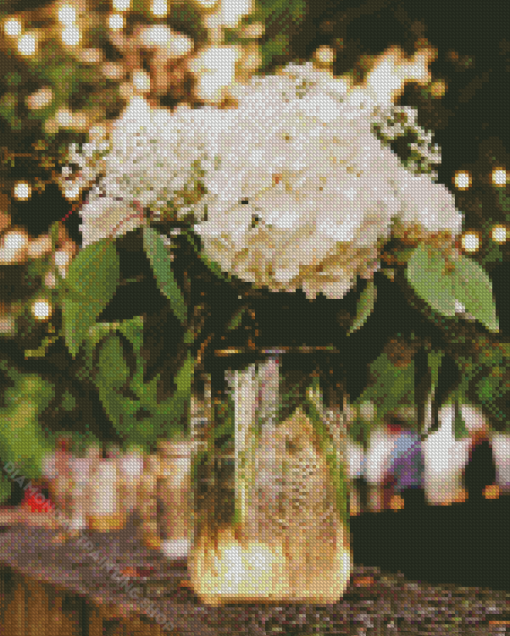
380 447
131 469
80 468
500 443
174 503
104 511
146 507
444 460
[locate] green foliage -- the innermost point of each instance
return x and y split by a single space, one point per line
467 282
336 469
5 488
90 284
211 265
392 386
131 404
473 288
425 272
162 268
459 426
21 439
366 305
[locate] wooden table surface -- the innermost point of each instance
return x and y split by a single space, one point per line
50 588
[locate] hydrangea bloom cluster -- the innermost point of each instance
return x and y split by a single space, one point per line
149 161
289 190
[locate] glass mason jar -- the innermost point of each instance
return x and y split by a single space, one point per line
271 498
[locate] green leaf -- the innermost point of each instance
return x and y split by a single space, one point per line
473 288
90 285
162 268
113 370
336 469
434 361
365 306
77 318
236 320
393 385
95 272
425 274
459 425
213 267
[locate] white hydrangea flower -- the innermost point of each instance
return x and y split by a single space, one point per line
298 191
430 205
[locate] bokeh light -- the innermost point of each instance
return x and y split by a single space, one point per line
471 241
142 81
40 246
7 323
41 309
121 5
462 180
12 27
64 117
116 21
40 99
91 56
155 35
27 44
22 191
499 177
325 55
71 35
159 8
14 247
67 14
499 233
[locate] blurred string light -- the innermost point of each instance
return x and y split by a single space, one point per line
22 191
116 21
12 28
67 14
71 35
39 247
14 247
41 309
71 192
121 5
113 70
62 258
159 8
64 117
91 55
40 99
499 233
27 44
325 55
462 180
142 81
80 122
499 177
471 241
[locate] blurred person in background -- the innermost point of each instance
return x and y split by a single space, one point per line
406 465
479 475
